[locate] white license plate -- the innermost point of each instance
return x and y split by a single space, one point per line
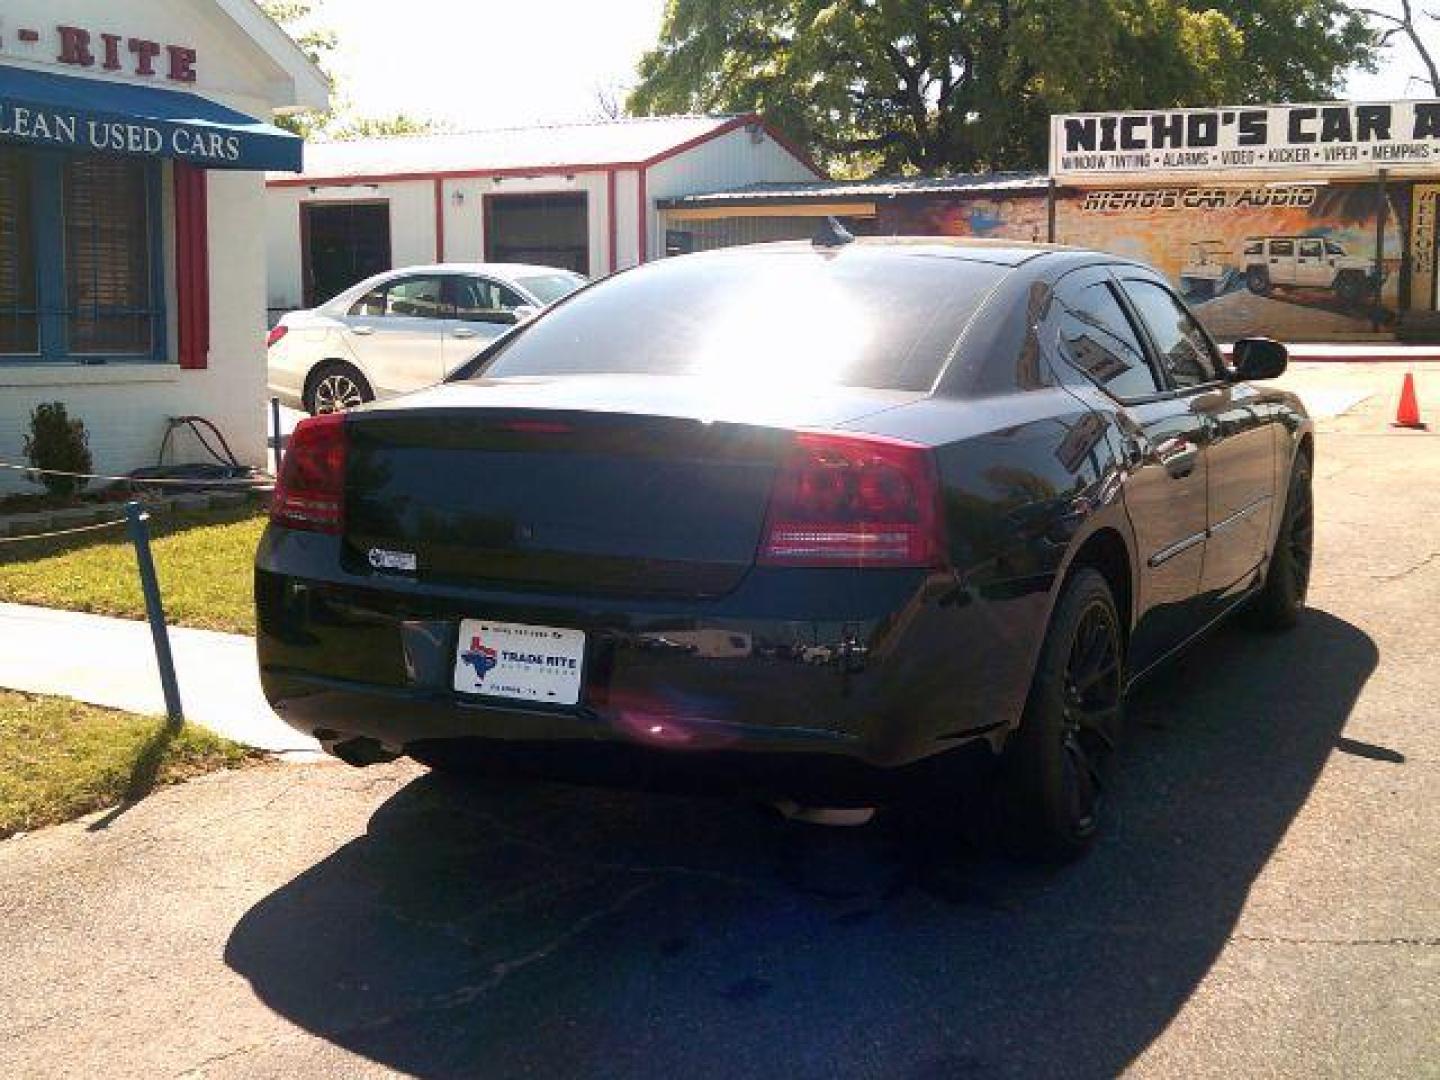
519 662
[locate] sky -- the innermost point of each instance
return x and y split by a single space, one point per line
1399 68
498 63
487 63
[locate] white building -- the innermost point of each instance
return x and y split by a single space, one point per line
581 196
133 148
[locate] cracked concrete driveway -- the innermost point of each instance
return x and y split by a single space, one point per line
1263 904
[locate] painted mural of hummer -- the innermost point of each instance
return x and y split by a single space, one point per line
1311 262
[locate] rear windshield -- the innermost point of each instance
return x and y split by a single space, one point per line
547 288
861 318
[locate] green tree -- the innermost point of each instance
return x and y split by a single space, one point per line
298 19
1404 23
911 85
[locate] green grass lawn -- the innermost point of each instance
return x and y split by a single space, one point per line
203 560
60 759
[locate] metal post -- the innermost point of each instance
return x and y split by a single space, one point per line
275 429
135 519
1381 213
1050 211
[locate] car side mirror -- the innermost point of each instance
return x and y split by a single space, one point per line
1258 358
524 312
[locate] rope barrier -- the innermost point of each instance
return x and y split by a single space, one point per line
79 528
62 532
260 479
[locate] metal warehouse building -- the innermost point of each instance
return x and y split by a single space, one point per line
579 196
1009 204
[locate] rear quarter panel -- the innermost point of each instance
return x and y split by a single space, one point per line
1028 476
312 338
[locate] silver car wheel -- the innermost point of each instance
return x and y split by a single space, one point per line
336 392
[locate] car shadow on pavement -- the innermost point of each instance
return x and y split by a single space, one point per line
503 930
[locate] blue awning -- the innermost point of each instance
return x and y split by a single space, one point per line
61 111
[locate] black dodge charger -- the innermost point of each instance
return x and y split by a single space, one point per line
838 522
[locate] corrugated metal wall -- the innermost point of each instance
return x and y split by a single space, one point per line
732 160
728 232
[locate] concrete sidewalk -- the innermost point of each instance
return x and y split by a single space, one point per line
111 662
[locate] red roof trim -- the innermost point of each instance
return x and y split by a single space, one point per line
794 151
730 125
643 214
611 215
690 144
441 174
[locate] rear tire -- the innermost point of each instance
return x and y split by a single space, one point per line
334 386
1287 579
1051 771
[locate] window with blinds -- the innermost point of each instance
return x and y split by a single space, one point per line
106 215
19 316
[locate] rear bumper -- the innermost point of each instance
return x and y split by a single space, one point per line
596 751
844 675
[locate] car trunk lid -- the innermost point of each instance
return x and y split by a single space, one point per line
638 486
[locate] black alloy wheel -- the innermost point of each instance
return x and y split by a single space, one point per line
1054 771
1287 579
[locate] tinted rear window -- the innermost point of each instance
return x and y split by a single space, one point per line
861 318
547 288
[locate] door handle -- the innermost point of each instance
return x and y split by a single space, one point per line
362 330
462 332
1178 455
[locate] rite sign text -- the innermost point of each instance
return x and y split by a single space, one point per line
105 50
123 54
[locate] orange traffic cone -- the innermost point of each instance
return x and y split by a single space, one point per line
1408 415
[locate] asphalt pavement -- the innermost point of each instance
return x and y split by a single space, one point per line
1263 902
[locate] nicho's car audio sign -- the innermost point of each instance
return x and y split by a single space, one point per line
1335 138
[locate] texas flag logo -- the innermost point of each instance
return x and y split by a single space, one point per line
480 657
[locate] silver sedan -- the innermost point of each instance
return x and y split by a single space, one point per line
403 330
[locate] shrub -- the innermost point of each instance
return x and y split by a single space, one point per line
57 442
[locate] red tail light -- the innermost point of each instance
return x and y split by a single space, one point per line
854 500
310 493
276 333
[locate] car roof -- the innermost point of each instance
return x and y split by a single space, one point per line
506 271
499 269
969 248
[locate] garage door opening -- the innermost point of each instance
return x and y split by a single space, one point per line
342 243
551 230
